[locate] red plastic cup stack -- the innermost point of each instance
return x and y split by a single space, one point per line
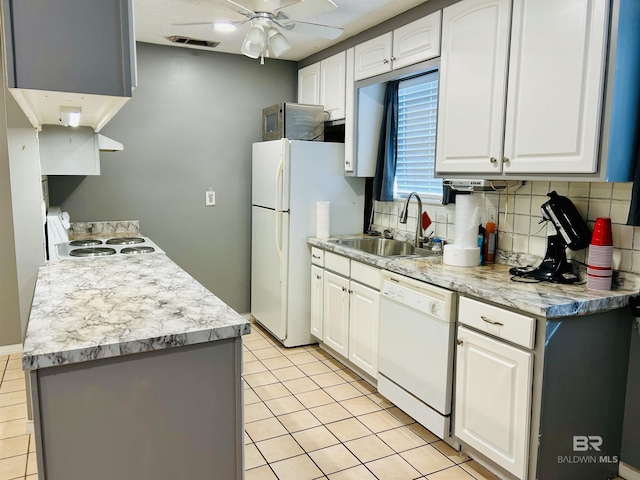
599 269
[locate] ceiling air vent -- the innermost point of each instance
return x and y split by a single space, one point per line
192 41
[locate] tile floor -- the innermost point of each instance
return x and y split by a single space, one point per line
306 417
17 450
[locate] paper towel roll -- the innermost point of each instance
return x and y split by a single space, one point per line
322 219
468 215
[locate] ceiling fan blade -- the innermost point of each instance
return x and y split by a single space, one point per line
242 7
306 8
315 30
193 23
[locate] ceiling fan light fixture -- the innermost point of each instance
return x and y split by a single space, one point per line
255 41
278 44
224 26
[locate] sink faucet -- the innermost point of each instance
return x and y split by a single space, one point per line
405 212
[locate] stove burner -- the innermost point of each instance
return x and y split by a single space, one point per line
137 250
125 241
92 252
85 243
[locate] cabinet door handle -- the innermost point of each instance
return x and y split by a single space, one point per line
344 289
350 291
459 342
318 277
492 322
347 163
493 160
506 160
385 61
393 59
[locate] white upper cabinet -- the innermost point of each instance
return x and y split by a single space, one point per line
324 83
417 41
70 53
521 102
373 57
556 78
473 74
350 115
409 44
333 85
309 85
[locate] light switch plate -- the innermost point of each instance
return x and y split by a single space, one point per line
210 198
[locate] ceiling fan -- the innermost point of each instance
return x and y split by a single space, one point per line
265 34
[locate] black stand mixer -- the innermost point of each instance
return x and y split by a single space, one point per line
571 232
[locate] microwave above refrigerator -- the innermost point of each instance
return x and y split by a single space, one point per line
294 121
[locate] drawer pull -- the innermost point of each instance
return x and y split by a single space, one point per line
316 256
485 319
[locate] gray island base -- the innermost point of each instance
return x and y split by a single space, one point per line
121 390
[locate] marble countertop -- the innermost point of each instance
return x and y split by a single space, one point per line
493 283
108 307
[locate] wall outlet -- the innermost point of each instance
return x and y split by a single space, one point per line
210 198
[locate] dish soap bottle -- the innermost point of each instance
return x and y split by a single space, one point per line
490 235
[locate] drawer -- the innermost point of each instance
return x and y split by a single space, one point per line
317 256
337 263
365 274
513 327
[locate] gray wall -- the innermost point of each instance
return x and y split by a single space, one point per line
189 126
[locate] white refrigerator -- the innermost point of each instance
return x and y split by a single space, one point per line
288 178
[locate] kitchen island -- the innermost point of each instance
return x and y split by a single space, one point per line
135 371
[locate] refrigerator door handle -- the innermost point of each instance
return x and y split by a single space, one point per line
279 188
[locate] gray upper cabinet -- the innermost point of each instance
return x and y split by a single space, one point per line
77 53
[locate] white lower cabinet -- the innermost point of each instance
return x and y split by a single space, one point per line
493 399
345 310
317 300
336 313
364 321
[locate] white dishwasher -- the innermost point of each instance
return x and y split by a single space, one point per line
415 358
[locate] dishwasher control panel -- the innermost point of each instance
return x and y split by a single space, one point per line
413 297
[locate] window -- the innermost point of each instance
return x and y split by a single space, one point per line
416 149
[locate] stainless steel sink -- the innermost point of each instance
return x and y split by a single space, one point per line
384 247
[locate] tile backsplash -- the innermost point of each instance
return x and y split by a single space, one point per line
519 230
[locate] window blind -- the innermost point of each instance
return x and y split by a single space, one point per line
417 117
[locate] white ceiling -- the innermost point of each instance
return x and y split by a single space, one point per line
154 19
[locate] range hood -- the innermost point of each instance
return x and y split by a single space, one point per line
73 150
106 144
478 185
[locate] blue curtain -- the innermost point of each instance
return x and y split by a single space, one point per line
387 152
